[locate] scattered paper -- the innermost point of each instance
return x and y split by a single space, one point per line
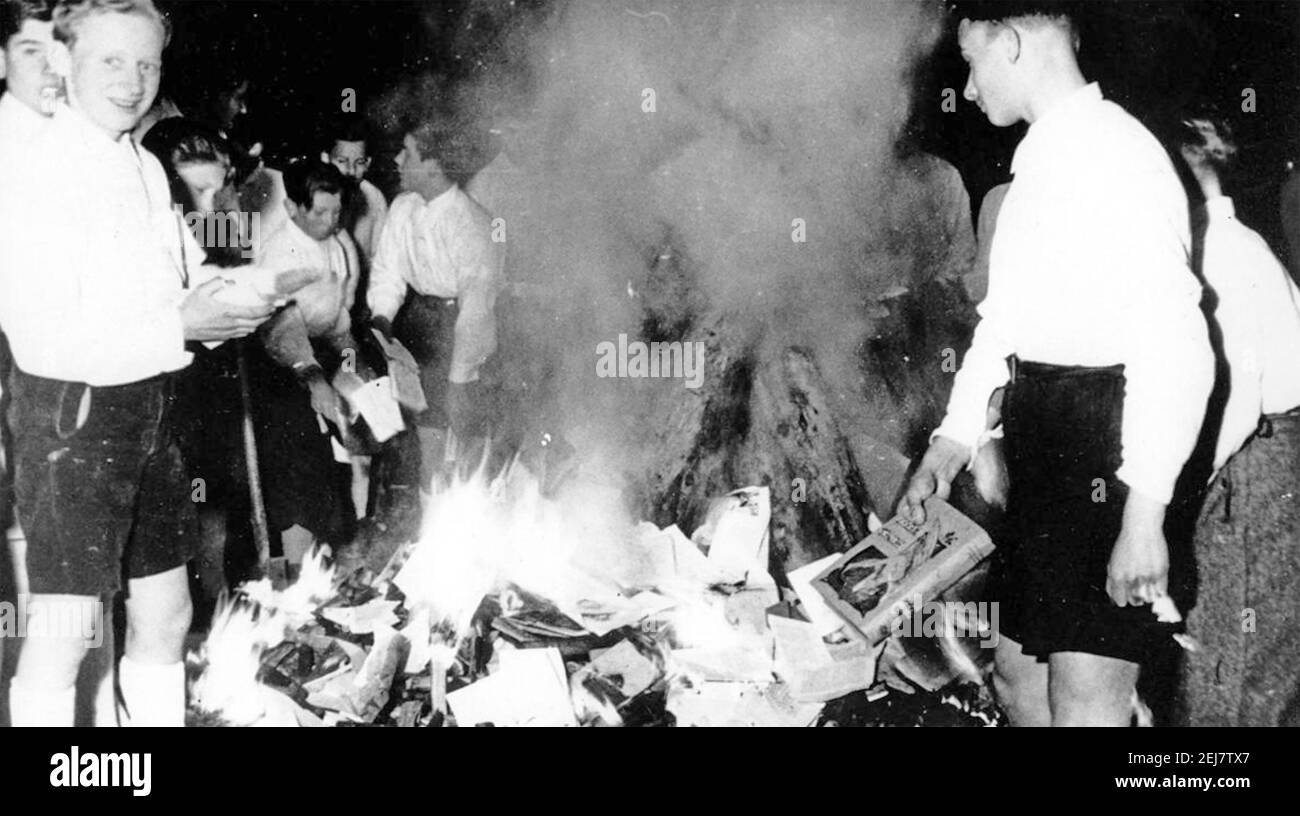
612 678
602 615
743 705
815 671
732 663
735 532
530 689
692 566
279 711
359 690
364 619
417 631
635 672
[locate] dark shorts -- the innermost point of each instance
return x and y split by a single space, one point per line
1064 512
103 502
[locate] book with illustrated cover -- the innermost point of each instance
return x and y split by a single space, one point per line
900 566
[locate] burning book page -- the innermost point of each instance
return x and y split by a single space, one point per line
365 619
683 567
815 670
880 581
735 535
315 586
739 705
614 678
359 690
530 689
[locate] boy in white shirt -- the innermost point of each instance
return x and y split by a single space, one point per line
1091 299
97 312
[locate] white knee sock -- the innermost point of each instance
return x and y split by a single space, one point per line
154 695
41 707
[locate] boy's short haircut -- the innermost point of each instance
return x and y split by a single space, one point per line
1027 13
13 13
1000 11
306 177
347 127
69 14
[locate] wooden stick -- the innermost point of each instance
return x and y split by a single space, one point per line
261 533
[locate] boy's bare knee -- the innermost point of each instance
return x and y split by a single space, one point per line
1020 684
159 629
1090 690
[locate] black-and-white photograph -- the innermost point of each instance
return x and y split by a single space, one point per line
797 363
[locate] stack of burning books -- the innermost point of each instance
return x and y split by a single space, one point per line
491 618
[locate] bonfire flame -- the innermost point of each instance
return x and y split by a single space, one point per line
241 632
481 535
315 585
248 624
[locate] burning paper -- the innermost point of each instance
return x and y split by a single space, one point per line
613 678
602 615
359 690
743 705
735 535
365 619
816 671
691 568
417 632
228 686
530 689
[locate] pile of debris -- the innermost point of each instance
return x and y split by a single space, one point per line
493 617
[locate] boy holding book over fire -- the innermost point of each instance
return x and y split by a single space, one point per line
1092 322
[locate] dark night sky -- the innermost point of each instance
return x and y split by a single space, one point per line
1149 56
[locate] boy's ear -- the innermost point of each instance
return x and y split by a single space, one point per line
290 207
1009 39
325 157
60 58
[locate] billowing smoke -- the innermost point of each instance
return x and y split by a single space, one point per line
683 165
